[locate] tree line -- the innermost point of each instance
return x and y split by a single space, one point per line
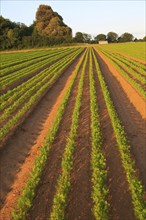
49 29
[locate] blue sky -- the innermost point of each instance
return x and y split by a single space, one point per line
93 17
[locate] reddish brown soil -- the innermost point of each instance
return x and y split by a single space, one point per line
18 155
79 203
128 73
45 192
27 77
11 132
132 94
133 58
119 196
136 68
25 63
132 120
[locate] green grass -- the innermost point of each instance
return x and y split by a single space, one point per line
137 50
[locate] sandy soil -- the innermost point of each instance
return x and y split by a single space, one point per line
18 155
131 109
43 201
79 202
133 58
119 195
133 95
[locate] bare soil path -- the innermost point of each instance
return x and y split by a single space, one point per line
119 196
79 202
127 103
18 155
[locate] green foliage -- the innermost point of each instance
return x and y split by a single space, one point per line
24 202
37 91
82 38
100 37
98 163
119 66
50 23
135 186
112 37
136 50
47 30
126 37
59 201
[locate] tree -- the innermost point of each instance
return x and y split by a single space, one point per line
100 37
144 39
50 23
112 37
11 36
79 38
82 37
87 38
126 37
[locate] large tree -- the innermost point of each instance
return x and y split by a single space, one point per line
112 37
100 37
82 37
79 38
126 37
144 39
50 23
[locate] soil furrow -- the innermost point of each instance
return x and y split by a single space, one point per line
26 114
133 58
45 192
17 159
119 195
32 74
134 124
79 203
135 98
133 68
130 74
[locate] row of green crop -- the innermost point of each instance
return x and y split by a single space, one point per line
13 122
135 63
127 66
11 95
25 200
32 85
141 68
135 185
14 59
8 80
63 184
11 69
137 86
10 59
130 60
136 50
98 162
30 90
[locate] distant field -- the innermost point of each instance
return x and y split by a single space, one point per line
72 135
137 50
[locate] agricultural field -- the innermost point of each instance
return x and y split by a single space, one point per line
133 50
72 134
